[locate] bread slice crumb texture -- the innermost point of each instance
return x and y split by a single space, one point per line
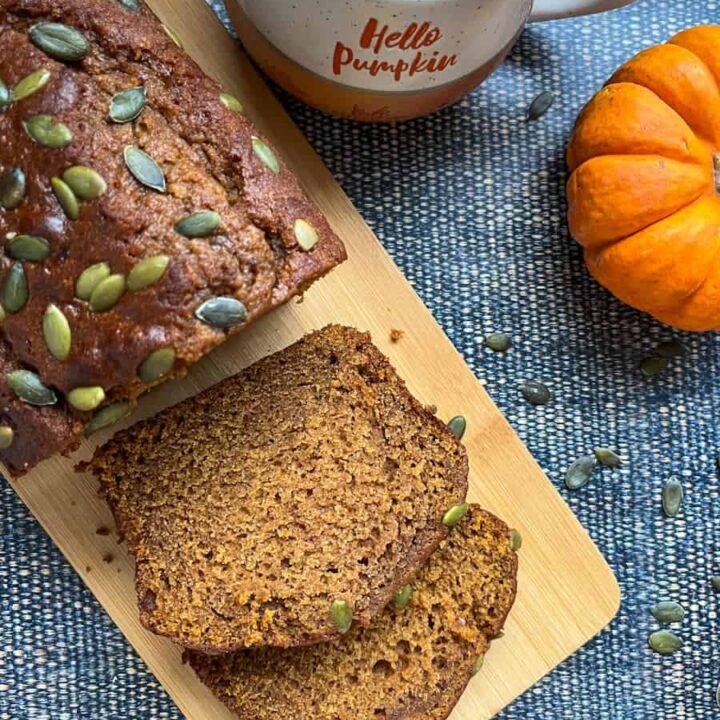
412 663
309 478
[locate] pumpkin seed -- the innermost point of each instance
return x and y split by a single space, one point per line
48 133
109 415
147 272
15 289
265 154
56 331
2 314
670 349
515 540
133 5
608 458
66 197
458 426
6 437
30 84
107 293
127 105
86 183
402 597
498 342
12 188
172 35
540 105
455 514
668 612
144 169
86 399
90 278
653 365
717 696
306 235
30 248
664 642
4 97
198 225
672 497
715 580
28 387
221 312
535 392
156 365
477 667
59 41
231 102
579 473
342 615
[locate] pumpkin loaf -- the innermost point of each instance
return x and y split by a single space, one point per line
286 502
413 662
143 217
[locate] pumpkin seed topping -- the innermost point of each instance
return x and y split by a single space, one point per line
107 293
715 580
668 612
86 399
664 642
515 540
29 248
672 497
48 133
157 364
342 615
231 102
540 105
107 416
265 154
458 426
670 349
15 289
127 105
402 597
536 393
4 97
221 312
498 342
56 331
607 457
133 5
59 41
90 278
147 272
172 35
198 225
305 234
66 197
28 387
579 473
477 667
12 188
653 365
144 169
455 514
2 314
30 84
7 435
86 183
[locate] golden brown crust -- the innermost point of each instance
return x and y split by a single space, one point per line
411 664
311 476
206 152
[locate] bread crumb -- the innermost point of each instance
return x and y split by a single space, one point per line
88 569
396 334
108 558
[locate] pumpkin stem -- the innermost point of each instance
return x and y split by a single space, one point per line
716 172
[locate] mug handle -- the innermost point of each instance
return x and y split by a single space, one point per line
554 9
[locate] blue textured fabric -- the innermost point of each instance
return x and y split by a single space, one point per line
470 203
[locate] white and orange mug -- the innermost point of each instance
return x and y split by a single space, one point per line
382 60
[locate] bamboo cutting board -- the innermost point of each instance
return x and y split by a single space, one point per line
567 592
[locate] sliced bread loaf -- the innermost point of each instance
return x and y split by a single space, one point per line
412 663
285 502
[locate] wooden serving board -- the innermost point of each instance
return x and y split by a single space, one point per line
567 593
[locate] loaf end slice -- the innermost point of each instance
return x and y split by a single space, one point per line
309 478
412 663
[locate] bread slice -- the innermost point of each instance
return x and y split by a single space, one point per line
309 478
412 663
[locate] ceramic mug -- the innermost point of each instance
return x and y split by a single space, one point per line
382 60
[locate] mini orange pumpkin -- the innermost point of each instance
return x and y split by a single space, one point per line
644 194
